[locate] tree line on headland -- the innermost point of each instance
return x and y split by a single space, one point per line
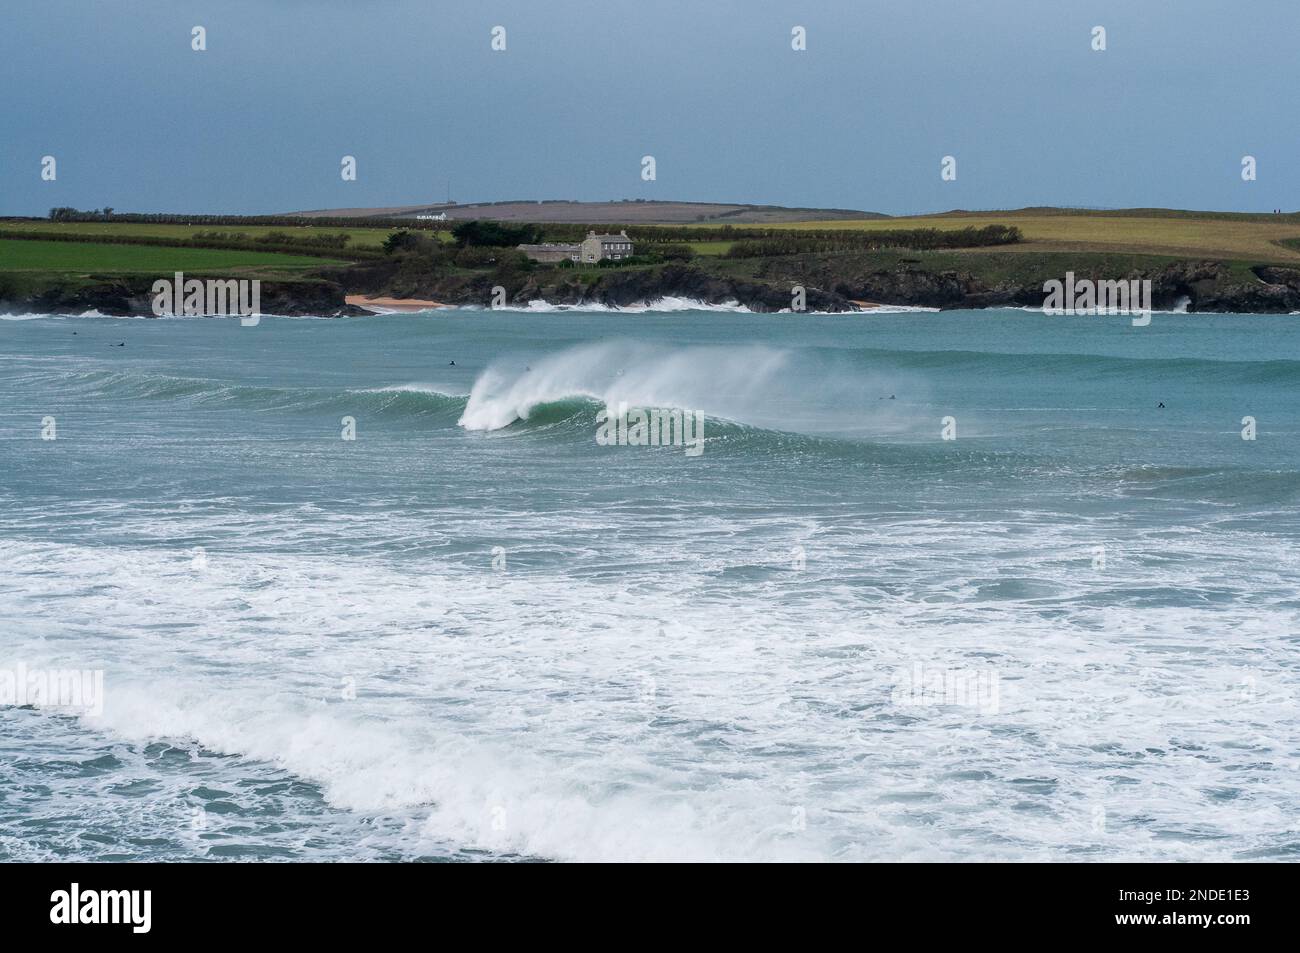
797 240
802 242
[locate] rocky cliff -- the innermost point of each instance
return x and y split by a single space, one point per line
831 284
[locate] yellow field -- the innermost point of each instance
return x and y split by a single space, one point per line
1252 239
1159 232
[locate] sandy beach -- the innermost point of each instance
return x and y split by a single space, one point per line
380 305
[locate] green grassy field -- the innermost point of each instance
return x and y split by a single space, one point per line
91 258
363 237
1055 240
1217 235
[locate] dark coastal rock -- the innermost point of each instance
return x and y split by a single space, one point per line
1285 277
913 286
1258 298
306 298
620 288
1182 281
1209 287
122 297
835 284
832 283
113 297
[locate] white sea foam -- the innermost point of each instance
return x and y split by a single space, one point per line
1180 307
701 378
413 388
664 304
673 305
888 309
753 384
556 717
649 677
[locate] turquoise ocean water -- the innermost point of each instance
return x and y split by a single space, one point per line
473 632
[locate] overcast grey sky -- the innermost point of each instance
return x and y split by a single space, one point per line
711 88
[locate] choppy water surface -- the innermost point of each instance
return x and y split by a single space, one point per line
472 632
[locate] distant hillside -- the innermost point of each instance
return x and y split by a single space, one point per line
628 212
1238 263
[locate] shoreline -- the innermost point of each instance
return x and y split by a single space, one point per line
833 285
386 305
542 308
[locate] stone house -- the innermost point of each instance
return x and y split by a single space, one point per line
552 253
599 247
592 249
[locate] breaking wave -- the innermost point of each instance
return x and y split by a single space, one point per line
722 382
